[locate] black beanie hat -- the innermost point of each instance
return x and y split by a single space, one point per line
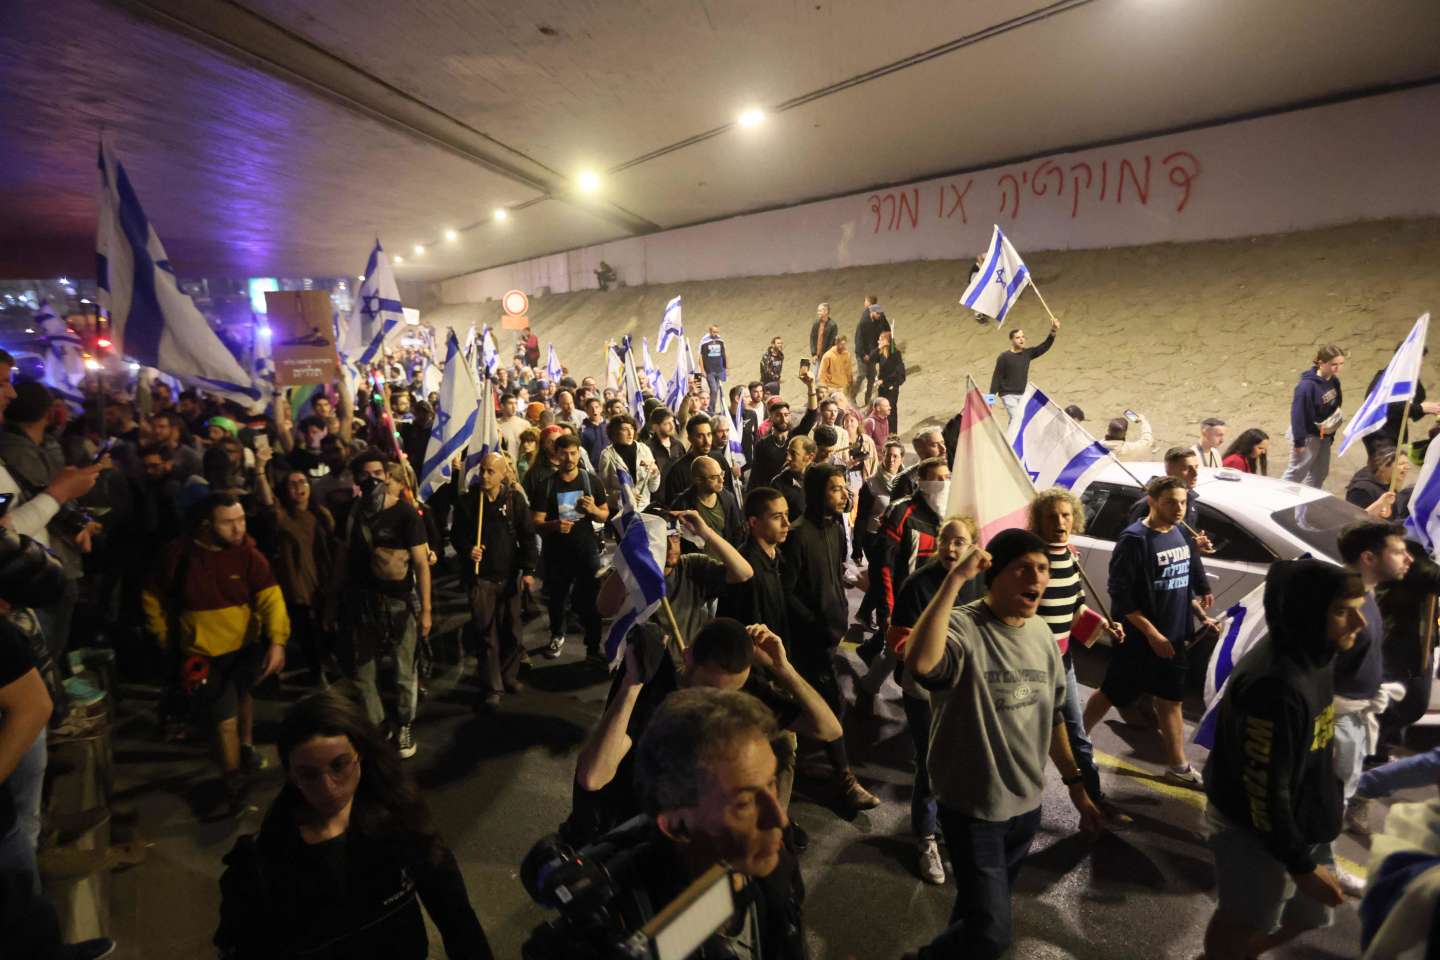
1008 546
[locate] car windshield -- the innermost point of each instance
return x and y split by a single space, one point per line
1318 523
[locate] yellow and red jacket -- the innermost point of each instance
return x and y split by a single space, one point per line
229 596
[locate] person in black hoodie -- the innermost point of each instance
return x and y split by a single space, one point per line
345 856
1315 417
815 555
1275 801
1369 489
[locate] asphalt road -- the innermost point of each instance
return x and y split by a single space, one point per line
497 784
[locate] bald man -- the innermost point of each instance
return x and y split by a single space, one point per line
494 569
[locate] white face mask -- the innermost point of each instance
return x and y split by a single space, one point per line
936 494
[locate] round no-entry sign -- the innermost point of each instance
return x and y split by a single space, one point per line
515 303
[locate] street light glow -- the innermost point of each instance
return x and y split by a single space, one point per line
588 181
752 117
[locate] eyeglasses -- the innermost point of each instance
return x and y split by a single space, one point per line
336 771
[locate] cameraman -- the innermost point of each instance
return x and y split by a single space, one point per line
705 772
723 655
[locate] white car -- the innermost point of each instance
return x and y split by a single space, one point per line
1252 521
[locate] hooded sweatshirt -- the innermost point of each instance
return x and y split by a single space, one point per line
815 552
1272 769
1314 401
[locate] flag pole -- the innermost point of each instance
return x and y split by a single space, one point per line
1036 287
674 626
1400 446
479 510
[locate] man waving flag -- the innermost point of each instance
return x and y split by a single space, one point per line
152 321
1001 279
1396 385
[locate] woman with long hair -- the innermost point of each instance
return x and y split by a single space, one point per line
304 557
346 854
1249 453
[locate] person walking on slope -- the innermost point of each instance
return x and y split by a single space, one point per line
1315 417
1012 368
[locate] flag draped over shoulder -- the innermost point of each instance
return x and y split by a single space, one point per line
152 321
377 316
988 483
640 562
1243 626
1003 276
671 325
456 417
1054 449
1396 385
64 364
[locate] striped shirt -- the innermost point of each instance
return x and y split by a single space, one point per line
1063 597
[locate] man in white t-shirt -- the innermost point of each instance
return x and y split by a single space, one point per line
1212 442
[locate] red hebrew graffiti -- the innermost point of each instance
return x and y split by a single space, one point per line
899 210
1142 190
1182 175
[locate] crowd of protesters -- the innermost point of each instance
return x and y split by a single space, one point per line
291 542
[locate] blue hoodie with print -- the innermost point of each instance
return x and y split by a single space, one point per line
1314 401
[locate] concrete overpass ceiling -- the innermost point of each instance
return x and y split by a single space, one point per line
271 137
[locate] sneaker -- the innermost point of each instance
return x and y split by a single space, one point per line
252 760
553 650
96 949
405 742
1186 776
932 869
489 703
1357 816
855 796
596 655
1352 885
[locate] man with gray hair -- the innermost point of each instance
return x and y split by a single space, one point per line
822 335
928 443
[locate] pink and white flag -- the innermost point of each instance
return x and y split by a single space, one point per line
988 483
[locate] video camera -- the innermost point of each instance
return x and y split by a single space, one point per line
604 913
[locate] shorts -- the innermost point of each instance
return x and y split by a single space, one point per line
230 675
1135 670
1255 889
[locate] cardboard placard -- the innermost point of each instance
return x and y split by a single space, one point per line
302 341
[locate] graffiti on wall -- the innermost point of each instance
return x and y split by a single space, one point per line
1146 179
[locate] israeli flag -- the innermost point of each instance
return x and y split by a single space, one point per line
489 355
680 383
467 346
652 371
1242 626
671 325
431 377
614 367
487 431
1002 278
553 370
735 442
377 316
1423 524
64 364
1396 385
456 417
152 321
1054 449
640 562
634 396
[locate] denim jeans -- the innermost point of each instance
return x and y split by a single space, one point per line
1312 464
924 818
1421 770
1080 744
379 622
1350 750
17 845
716 384
985 858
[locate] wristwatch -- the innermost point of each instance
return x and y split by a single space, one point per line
1072 780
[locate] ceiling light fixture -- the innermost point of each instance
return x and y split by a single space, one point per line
501 214
752 117
451 235
399 259
419 250
588 181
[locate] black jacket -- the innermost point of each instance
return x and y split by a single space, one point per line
508 535
822 340
734 530
890 370
1364 489
867 335
1394 413
770 452
815 553
275 906
1408 609
1272 768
